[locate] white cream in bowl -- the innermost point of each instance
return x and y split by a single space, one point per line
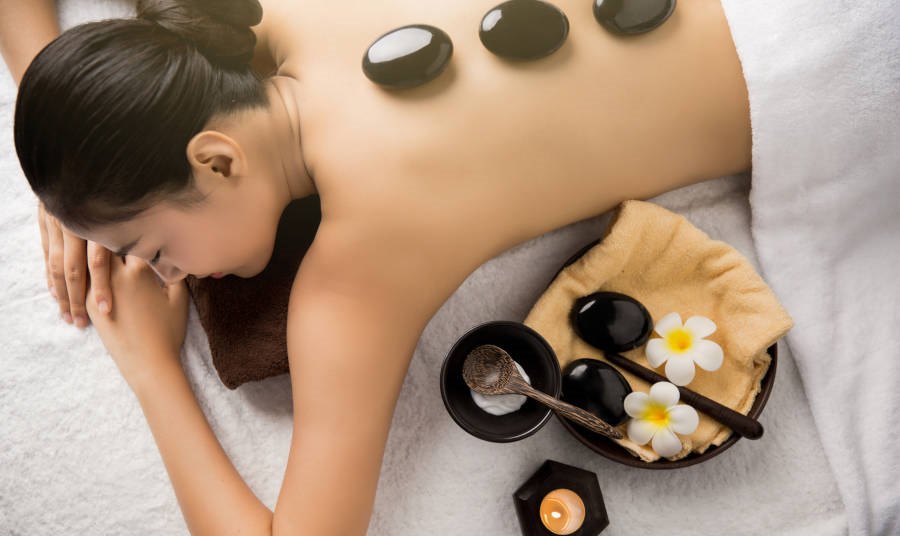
501 404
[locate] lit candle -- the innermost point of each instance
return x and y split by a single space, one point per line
562 511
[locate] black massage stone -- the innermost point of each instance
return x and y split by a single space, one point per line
597 387
524 29
611 321
407 56
632 16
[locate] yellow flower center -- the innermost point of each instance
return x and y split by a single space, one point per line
679 340
656 414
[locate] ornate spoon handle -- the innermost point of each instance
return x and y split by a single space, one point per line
573 413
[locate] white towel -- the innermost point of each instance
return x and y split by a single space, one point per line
76 456
824 87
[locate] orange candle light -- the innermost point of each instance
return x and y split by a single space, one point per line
562 511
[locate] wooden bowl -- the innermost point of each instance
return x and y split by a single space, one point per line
615 452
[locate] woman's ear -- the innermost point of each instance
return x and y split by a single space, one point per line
214 155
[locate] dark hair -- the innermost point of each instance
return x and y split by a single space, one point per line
105 112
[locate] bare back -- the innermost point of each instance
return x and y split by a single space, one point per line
420 187
493 153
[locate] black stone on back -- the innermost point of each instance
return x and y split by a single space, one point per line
524 29
632 16
407 56
412 55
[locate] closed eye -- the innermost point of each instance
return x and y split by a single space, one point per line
155 259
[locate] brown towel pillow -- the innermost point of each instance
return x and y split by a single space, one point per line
246 319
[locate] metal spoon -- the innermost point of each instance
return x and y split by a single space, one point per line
490 370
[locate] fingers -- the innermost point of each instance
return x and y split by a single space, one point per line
98 266
136 265
75 267
142 268
45 244
178 292
55 263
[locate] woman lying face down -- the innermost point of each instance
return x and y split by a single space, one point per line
113 167
245 169
153 137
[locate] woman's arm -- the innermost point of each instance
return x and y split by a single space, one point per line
353 323
357 309
144 336
25 28
214 499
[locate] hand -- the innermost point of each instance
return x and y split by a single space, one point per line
147 329
66 266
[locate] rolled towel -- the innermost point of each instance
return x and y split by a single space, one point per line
662 260
245 320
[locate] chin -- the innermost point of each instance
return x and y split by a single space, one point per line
261 262
246 272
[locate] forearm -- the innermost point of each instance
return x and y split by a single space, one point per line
214 499
26 26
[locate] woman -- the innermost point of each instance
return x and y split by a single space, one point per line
153 138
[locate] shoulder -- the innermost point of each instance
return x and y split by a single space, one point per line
373 262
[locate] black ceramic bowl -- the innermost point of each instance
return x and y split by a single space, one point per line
531 352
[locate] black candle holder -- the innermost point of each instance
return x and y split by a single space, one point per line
553 475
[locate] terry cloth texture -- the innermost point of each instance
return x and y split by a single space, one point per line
823 80
663 261
245 320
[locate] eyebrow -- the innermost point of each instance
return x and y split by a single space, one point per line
127 247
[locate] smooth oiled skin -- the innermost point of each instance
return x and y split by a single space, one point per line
492 152
420 187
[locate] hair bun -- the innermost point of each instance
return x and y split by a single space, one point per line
242 13
220 29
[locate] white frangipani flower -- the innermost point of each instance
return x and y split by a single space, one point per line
683 345
658 417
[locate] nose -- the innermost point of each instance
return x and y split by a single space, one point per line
168 274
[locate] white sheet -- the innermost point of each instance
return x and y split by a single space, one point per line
76 456
824 89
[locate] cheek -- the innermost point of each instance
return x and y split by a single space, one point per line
259 244
238 235
240 245
200 251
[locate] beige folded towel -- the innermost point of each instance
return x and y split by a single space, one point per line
660 259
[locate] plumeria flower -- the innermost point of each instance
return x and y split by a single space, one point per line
683 345
658 417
